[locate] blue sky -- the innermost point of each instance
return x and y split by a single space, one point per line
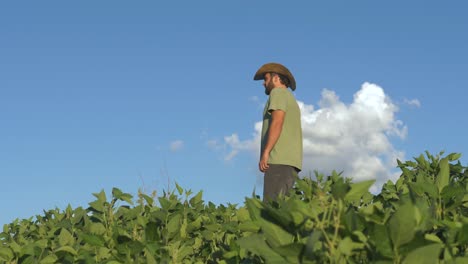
102 94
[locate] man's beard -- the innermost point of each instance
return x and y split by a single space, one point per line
267 91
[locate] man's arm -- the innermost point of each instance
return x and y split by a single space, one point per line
274 132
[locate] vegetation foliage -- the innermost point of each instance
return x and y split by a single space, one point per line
422 218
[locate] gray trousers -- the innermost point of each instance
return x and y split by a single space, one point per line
278 179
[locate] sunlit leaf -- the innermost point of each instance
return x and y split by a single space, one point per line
65 238
67 249
358 190
444 173
179 189
257 245
49 259
402 225
427 255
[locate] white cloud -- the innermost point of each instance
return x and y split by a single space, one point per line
176 145
213 144
353 138
413 102
235 145
231 145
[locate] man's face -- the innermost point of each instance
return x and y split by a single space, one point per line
268 83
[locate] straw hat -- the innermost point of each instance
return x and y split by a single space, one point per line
276 68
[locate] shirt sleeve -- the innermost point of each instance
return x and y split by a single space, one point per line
278 100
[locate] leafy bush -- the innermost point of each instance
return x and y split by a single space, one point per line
422 218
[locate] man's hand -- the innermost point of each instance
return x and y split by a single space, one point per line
263 164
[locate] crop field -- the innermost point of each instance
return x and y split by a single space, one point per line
422 218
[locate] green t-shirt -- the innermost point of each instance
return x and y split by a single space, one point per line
288 148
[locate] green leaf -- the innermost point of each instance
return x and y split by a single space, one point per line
427 255
422 161
254 207
122 233
6 253
303 186
15 247
165 204
275 235
353 221
97 205
230 254
444 173
28 249
195 224
101 196
313 245
93 240
281 216
402 225
65 238
243 214
291 252
196 199
78 215
127 198
461 260
183 229
382 240
151 232
69 211
119 195
116 193
207 235
347 245
213 227
249 227
454 156
363 238
416 188
149 257
42 243
433 238
174 224
297 218
179 189
429 188
339 189
453 191
50 259
184 251
104 253
257 245
135 247
67 249
97 228
463 234
148 199
358 190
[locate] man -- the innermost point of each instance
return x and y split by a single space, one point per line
281 142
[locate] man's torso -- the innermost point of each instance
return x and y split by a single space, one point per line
288 148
